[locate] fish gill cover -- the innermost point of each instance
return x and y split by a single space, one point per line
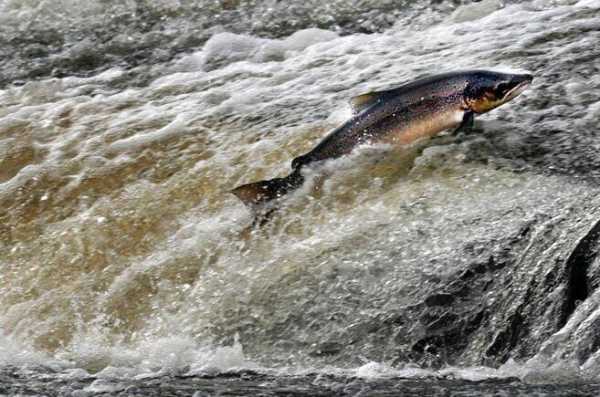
120 250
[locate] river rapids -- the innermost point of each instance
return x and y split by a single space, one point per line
464 265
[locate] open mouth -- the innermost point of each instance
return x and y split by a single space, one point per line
519 88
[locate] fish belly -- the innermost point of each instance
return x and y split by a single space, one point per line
426 126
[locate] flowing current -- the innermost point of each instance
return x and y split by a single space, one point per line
465 262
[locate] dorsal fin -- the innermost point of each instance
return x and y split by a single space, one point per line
361 102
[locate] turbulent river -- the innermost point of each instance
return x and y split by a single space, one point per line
463 265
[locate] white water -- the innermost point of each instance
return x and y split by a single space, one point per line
120 246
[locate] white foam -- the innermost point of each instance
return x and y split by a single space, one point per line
226 48
174 354
529 372
588 4
474 11
340 115
104 386
176 127
256 103
150 356
14 352
223 359
303 39
374 370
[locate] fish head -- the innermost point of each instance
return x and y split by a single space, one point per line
487 90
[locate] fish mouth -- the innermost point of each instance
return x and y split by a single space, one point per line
522 85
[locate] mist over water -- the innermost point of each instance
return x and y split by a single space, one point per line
122 254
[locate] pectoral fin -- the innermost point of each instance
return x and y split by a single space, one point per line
467 123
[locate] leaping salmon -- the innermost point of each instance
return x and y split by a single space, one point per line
400 116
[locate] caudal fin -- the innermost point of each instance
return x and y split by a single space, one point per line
256 194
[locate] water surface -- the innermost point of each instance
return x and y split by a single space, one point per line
121 250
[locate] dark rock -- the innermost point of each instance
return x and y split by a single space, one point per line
447 320
441 299
327 349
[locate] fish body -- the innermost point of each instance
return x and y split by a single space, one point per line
400 116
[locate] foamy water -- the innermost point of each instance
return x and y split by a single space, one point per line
122 251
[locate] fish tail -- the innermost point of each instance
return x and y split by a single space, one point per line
255 195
